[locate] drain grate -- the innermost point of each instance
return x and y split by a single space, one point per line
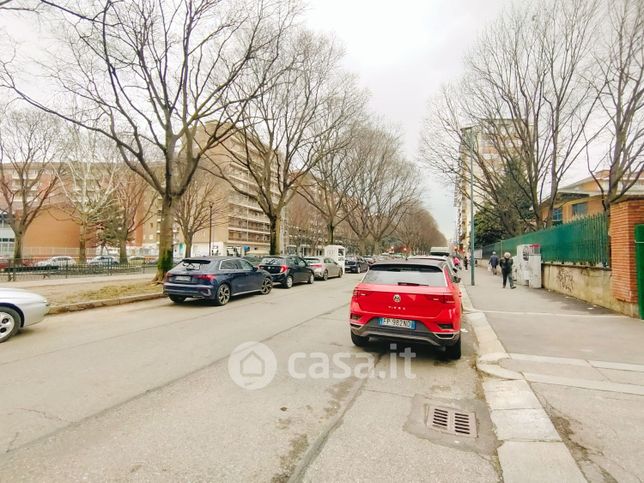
451 421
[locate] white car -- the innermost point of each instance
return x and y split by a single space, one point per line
60 261
18 309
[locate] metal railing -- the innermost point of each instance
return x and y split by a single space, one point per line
34 269
583 241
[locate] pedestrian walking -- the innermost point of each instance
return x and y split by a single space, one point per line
493 263
456 261
506 269
466 261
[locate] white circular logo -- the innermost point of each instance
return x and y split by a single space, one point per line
252 365
396 298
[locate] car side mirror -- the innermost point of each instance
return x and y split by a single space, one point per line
254 269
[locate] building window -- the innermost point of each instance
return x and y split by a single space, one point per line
579 209
557 216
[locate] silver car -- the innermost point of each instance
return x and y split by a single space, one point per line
324 267
18 309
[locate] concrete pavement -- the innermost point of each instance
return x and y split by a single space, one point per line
585 365
142 392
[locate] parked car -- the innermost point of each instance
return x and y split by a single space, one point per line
288 270
324 267
410 300
215 278
253 260
4 263
103 260
136 260
18 309
454 270
370 260
356 264
58 261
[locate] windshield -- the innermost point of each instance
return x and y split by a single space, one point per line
427 275
313 259
273 261
193 264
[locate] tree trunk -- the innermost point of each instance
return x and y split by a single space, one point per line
123 250
330 237
17 247
275 227
166 237
188 240
82 244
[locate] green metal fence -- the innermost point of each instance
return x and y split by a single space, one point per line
583 241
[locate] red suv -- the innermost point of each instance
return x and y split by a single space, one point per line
409 300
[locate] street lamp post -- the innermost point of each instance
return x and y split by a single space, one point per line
210 229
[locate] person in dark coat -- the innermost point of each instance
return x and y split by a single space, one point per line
494 262
506 269
466 260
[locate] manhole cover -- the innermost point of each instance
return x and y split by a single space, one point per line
451 421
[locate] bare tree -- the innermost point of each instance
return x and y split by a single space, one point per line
524 91
621 95
130 207
383 189
287 130
87 181
305 224
28 147
42 6
418 230
200 201
155 72
328 186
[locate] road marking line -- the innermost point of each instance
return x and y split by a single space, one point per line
550 360
594 316
586 384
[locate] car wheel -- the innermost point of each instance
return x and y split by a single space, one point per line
311 279
325 276
10 322
267 286
340 274
223 295
288 283
358 269
359 341
177 299
454 351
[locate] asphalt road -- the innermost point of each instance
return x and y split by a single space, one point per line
143 392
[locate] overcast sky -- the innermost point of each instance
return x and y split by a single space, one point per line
403 51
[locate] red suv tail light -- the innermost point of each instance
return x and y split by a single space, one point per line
359 293
283 268
443 299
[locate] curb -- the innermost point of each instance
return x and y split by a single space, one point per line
532 450
94 304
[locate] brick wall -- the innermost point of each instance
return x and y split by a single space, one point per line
623 218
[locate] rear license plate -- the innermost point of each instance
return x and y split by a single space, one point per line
405 324
182 278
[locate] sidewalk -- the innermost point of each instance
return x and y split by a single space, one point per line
584 363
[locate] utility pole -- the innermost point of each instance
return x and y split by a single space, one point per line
472 234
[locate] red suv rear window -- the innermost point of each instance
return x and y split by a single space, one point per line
428 275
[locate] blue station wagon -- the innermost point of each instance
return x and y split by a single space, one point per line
216 279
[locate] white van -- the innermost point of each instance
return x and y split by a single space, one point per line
337 253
